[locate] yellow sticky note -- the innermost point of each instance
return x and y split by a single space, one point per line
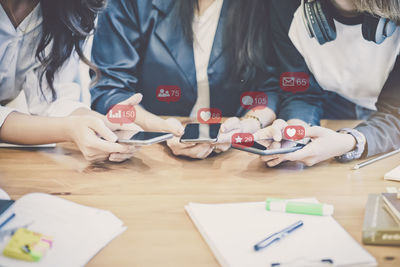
27 245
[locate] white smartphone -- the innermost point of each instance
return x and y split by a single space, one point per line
201 133
259 149
144 138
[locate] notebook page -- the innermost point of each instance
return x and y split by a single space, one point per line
231 230
79 232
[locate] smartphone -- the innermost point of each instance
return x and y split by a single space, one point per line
201 133
259 149
143 138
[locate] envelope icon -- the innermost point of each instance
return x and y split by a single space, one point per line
288 81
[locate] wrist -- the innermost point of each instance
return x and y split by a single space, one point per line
349 142
66 126
298 122
354 142
265 116
253 121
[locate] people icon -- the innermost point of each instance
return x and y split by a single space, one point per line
163 93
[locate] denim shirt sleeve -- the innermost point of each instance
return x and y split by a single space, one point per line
306 106
116 54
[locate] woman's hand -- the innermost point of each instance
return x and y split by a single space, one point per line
157 124
86 132
232 126
146 120
133 101
191 150
325 144
247 125
273 132
172 125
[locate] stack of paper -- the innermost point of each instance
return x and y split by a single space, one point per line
232 230
392 201
393 174
78 232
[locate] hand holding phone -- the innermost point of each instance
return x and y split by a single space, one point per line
200 133
142 138
265 149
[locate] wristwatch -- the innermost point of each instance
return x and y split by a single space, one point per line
360 146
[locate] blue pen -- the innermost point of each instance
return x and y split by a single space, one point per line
277 236
7 220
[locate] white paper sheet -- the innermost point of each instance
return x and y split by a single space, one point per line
232 230
393 175
79 232
4 195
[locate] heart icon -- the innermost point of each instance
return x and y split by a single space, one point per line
291 132
205 115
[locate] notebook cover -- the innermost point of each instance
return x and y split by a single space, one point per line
4 205
380 228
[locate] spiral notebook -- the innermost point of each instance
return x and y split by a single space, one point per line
232 230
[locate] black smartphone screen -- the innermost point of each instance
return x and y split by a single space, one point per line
143 136
284 144
195 131
259 146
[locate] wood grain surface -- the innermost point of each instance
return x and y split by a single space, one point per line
149 192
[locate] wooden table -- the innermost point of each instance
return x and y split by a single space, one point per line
149 193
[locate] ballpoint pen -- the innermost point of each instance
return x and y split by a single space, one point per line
277 236
368 162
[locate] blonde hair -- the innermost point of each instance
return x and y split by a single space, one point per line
384 8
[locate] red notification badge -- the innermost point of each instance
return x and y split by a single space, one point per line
294 133
121 114
295 82
209 115
243 140
168 93
254 100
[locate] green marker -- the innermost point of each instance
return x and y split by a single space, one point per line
289 206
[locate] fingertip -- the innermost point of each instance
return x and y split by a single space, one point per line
110 136
112 158
178 133
113 137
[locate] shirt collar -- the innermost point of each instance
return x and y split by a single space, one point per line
30 23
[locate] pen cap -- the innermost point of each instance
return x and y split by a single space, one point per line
327 209
289 206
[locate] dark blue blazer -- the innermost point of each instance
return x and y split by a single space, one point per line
139 46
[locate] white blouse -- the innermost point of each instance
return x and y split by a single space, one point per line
19 70
204 29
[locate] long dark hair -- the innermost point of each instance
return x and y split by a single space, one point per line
66 25
246 34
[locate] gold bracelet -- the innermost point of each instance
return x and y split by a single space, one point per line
254 118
